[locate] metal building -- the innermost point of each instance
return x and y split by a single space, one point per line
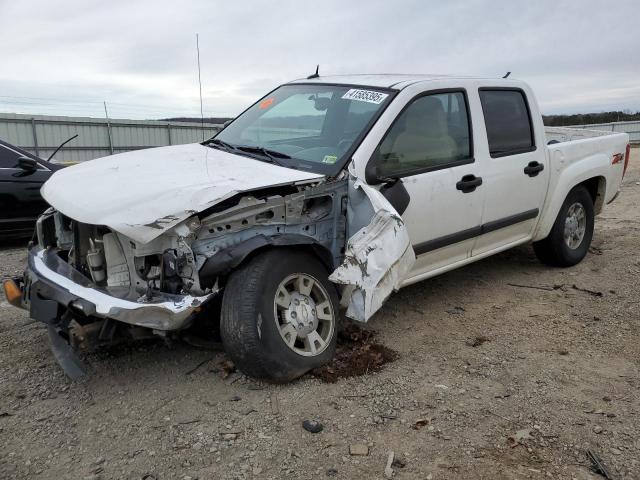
97 137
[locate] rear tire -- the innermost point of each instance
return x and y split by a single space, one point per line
570 237
279 315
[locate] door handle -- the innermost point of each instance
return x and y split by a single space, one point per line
533 169
469 183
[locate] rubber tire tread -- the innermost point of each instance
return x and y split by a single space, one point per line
265 355
553 250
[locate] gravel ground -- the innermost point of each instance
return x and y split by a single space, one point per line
493 381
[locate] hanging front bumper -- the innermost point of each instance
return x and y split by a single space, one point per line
51 283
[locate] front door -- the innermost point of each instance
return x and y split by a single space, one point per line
429 148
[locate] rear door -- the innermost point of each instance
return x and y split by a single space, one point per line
516 172
429 147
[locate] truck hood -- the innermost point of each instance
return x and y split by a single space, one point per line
144 193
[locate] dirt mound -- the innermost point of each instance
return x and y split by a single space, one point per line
357 354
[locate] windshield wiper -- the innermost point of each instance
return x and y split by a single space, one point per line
219 143
272 155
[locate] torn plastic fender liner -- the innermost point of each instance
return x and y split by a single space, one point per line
377 259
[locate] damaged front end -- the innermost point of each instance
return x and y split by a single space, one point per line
90 286
93 285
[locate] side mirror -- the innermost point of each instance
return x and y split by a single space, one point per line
396 194
27 164
373 172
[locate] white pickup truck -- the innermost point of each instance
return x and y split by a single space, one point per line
328 193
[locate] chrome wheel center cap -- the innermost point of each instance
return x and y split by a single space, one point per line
575 226
302 314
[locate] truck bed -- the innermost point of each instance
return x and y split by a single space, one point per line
577 155
567 134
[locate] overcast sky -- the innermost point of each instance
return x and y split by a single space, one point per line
64 57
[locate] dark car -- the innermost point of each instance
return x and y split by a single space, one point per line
21 176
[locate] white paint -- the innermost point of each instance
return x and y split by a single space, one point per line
377 258
397 80
161 186
438 209
575 161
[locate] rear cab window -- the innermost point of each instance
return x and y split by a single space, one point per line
508 121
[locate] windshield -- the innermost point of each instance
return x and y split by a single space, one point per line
307 127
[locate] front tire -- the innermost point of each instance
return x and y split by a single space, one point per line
279 315
570 237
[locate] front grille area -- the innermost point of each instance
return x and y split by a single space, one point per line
46 229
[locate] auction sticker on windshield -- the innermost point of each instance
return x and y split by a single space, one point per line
266 103
370 96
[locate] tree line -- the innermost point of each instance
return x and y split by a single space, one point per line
589 118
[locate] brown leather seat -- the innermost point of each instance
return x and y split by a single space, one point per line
425 138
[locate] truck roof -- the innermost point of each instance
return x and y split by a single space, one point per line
387 80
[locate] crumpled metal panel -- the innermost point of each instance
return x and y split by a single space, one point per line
143 194
377 258
163 312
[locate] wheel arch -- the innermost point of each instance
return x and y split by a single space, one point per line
313 248
594 181
566 245
597 188
223 263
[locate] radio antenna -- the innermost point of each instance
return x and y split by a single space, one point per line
314 75
200 85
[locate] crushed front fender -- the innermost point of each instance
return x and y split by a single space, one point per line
377 259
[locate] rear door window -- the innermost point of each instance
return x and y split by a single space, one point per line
508 122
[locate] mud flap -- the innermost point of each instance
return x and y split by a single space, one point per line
377 258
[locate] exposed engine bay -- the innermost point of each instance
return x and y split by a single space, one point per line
93 285
194 256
